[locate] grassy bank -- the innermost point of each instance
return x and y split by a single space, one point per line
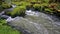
5 29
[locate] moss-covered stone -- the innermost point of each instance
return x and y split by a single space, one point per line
18 11
6 5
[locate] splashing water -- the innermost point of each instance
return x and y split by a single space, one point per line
32 13
13 6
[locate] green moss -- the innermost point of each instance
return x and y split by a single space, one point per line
37 6
2 22
49 11
18 11
33 0
24 3
8 30
44 4
45 1
16 3
6 5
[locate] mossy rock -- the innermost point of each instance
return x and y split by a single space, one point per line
6 5
18 11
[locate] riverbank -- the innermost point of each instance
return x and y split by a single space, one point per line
6 29
22 6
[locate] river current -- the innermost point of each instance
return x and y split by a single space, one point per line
34 23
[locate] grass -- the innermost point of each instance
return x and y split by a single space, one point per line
5 29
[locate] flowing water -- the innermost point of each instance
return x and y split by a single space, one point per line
35 23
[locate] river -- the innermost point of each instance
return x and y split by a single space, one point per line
35 23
